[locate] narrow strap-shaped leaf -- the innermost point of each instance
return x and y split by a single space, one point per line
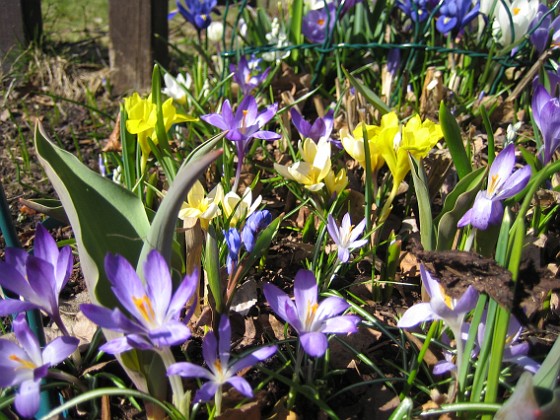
424 208
452 135
369 94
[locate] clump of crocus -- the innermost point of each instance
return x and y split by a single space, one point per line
253 226
197 12
220 370
320 129
441 306
311 320
455 15
542 27
152 309
243 126
417 10
142 120
248 74
353 144
503 183
26 366
546 112
37 279
233 242
346 236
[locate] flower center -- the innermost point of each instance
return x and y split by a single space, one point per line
244 121
311 310
145 308
25 364
493 184
320 21
446 298
516 11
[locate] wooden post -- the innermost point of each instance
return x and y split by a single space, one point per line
138 32
20 23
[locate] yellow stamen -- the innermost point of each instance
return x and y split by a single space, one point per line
320 21
516 11
447 299
144 305
311 309
493 183
25 364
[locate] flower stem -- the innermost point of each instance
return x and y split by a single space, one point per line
296 376
175 380
218 401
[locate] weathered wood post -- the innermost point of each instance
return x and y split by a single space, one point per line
138 33
20 23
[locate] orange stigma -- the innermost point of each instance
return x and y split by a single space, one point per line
144 305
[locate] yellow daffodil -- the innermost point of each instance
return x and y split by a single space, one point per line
312 170
353 143
142 120
238 208
201 206
417 137
336 183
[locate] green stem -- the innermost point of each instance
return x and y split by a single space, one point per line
218 401
175 380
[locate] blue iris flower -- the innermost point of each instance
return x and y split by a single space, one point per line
196 12
454 15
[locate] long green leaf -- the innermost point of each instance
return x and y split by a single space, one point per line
548 372
424 208
452 135
369 94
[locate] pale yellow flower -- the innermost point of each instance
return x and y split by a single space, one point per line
353 143
202 206
336 183
312 170
238 208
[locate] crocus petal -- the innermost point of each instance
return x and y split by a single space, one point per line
27 398
500 170
183 294
41 278
158 282
59 349
343 254
206 392
267 135
467 301
10 306
277 300
526 363
482 212
216 120
466 219
241 385
210 349
125 282
12 279
301 125
63 268
333 229
27 339
224 339
516 182
305 292
331 306
421 312
45 246
443 367
432 285
357 232
189 370
253 358
314 343
341 324
110 319
171 334
116 346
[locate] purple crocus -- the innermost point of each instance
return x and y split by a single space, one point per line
309 318
454 15
546 112
346 237
25 366
242 126
314 25
320 129
540 34
417 10
197 12
37 279
254 225
514 352
502 183
248 74
220 370
152 322
441 306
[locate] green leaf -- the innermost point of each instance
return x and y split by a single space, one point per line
455 206
404 410
424 208
452 135
550 368
296 14
162 231
51 207
370 96
212 268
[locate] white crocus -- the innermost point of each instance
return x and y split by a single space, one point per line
517 16
201 206
313 169
177 88
215 31
238 208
